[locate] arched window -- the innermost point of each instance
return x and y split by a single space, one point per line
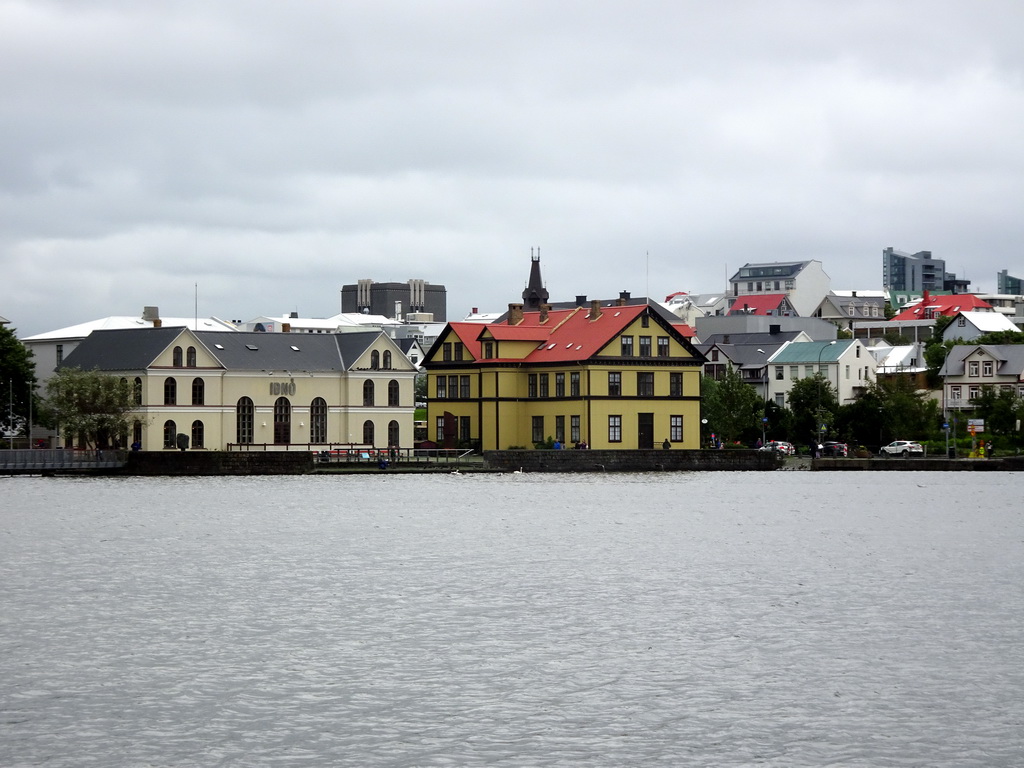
393 392
198 392
393 434
387 360
318 421
190 357
170 392
176 357
245 416
170 432
197 434
368 392
137 391
282 421
375 360
368 432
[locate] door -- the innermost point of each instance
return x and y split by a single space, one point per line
645 430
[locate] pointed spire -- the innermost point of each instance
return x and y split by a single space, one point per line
535 293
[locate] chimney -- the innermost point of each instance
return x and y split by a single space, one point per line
595 310
854 293
581 300
475 311
152 315
294 315
544 309
774 330
515 314
623 298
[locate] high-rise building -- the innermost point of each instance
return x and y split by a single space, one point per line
1009 285
396 299
918 272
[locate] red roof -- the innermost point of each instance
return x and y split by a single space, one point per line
931 307
758 304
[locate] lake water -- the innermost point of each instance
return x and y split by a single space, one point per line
706 619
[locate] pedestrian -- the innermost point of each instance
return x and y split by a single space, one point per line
666 445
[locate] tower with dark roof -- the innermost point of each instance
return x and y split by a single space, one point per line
535 293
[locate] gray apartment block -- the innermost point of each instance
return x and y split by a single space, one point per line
918 272
1008 284
389 299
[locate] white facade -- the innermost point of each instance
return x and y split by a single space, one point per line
804 283
846 364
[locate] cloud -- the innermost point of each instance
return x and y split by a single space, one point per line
272 152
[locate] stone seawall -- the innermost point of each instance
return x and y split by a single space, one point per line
571 460
153 463
1009 464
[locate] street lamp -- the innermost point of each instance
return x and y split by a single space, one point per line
819 430
764 415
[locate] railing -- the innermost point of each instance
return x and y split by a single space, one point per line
49 459
397 456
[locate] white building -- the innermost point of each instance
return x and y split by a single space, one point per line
803 283
846 364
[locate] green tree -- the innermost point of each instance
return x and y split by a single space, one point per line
93 407
895 338
1000 337
731 406
17 383
814 403
1000 408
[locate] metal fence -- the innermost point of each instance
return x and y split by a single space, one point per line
50 459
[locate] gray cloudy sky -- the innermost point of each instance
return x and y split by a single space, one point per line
272 151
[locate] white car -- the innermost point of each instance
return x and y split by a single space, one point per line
902 448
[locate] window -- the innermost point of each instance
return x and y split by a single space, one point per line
614 384
663 346
318 421
368 392
442 387
137 432
464 429
60 354
282 421
198 392
559 385
393 393
531 385
190 361
543 379
780 399
574 429
464 387
170 433
170 392
439 430
574 384
987 368
961 321
626 343
645 384
457 348
645 346
446 352
137 391
847 371
794 372
197 434
955 392
453 387
393 432
857 350
645 320
808 371
973 392
675 429
714 355
614 429
387 360
675 384
560 428
488 350
245 416
537 430
176 357
375 360
779 373
368 433
972 368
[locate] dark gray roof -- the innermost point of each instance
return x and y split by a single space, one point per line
137 348
754 339
124 349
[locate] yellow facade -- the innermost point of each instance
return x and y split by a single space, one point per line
516 401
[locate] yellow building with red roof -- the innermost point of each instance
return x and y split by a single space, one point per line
614 376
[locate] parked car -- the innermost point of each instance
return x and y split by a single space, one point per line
902 448
787 449
835 449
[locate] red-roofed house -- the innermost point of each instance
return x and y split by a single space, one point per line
775 304
931 307
617 376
